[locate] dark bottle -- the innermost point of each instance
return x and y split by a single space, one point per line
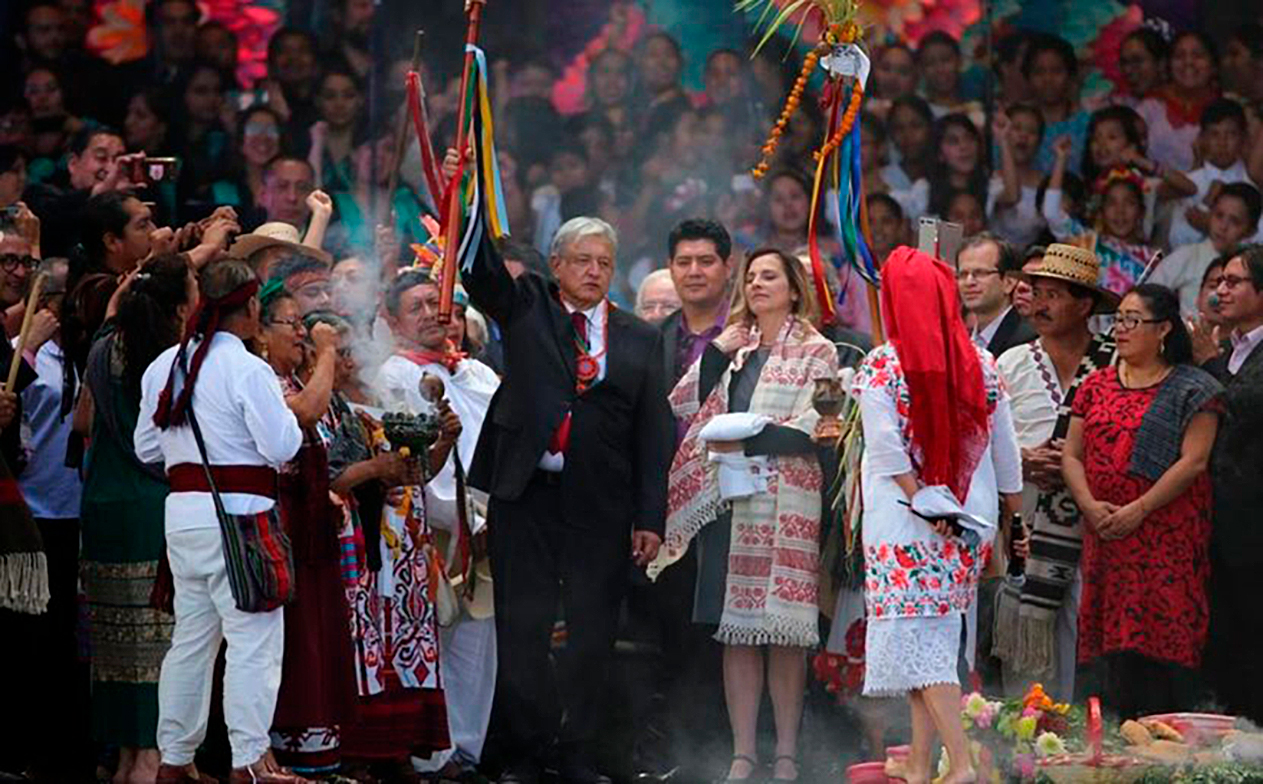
1017 564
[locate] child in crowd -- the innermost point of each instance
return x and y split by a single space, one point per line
1116 146
938 60
1119 240
873 153
957 166
1222 144
1232 221
1012 191
1051 69
567 171
965 208
887 225
909 125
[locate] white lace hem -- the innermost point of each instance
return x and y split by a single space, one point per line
906 654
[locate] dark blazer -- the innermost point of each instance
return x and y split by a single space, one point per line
1237 460
1014 331
670 329
621 437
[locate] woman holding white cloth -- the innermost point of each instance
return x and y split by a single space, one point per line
757 565
935 415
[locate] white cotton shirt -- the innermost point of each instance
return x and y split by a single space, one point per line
1020 223
243 418
597 316
1182 272
469 391
1204 176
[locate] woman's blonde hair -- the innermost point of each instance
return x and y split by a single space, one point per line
802 305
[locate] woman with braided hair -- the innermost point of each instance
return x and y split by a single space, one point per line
122 514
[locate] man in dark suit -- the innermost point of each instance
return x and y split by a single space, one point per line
574 454
1236 550
986 274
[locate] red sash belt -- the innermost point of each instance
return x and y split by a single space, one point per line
250 479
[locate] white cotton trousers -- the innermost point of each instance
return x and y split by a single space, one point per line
205 615
467 661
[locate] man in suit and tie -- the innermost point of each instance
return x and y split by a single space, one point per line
1236 550
574 454
986 270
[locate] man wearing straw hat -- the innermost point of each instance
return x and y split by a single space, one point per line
1036 621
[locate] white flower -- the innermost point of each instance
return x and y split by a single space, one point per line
1048 744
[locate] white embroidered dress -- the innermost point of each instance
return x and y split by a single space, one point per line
918 584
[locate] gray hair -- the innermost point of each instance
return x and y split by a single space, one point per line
576 229
653 277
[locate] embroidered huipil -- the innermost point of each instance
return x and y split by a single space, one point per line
911 571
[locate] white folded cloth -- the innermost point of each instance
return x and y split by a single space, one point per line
938 501
740 476
734 427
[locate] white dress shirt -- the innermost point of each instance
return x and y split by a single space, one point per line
1242 347
243 418
984 336
597 316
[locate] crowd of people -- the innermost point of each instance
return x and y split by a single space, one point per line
294 524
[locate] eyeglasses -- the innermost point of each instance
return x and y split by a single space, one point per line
1129 323
976 274
294 323
1232 281
11 261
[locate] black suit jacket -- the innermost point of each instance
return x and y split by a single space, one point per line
1014 331
621 438
1237 460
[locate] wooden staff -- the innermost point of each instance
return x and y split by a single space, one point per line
401 130
32 301
447 285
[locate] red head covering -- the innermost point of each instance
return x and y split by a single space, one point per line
206 319
950 417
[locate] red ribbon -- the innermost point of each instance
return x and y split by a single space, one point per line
449 357
416 108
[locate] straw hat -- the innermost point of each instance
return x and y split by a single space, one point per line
1079 267
272 235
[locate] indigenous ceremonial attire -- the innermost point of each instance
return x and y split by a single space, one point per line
316 695
245 422
386 573
1037 622
758 575
1145 606
123 508
574 455
1237 542
467 653
932 404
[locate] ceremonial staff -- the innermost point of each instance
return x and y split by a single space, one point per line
451 222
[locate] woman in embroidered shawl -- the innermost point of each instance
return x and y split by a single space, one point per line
386 572
757 555
123 512
1135 461
317 683
934 415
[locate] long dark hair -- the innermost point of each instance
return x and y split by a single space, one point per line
147 320
941 189
1164 306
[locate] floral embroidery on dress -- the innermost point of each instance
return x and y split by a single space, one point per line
922 579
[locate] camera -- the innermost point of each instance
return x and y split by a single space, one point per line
147 171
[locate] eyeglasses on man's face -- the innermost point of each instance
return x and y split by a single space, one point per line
11 261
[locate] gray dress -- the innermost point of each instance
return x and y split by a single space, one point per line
713 539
